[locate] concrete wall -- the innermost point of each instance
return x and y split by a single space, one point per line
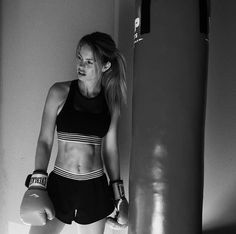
38 40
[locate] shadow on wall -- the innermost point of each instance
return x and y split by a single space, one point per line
229 229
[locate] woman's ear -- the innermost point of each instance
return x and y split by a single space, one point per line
106 66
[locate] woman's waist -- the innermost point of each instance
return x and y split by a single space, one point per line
79 160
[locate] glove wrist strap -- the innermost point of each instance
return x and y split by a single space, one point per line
118 189
38 180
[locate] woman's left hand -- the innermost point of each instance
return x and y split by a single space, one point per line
120 221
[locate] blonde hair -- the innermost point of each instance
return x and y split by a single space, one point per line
113 79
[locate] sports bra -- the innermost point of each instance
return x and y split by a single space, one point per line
82 119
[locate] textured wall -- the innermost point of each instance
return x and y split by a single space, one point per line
38 40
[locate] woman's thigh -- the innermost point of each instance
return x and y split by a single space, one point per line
54 226
93 228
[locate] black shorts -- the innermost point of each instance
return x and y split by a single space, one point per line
84 202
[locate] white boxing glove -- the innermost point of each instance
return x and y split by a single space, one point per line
36 207
120 221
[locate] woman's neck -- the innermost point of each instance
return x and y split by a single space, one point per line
89 89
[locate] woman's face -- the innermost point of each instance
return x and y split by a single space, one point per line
88 69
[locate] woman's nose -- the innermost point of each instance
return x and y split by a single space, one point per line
81 64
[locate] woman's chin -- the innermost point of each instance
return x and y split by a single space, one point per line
80 77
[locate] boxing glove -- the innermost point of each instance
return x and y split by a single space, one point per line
120 220
36 207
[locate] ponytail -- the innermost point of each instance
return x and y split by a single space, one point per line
114 82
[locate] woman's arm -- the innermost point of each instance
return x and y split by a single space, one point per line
36 207
112 163
48 123
110 149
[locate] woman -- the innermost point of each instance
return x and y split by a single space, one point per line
85 113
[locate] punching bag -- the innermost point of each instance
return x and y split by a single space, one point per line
168 115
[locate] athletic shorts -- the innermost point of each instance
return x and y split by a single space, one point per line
80 198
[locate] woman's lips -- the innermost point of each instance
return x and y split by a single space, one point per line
81 73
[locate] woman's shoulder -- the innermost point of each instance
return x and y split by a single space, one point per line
60 90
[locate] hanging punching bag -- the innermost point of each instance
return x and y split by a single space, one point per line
169 97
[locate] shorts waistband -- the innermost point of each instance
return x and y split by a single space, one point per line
74 176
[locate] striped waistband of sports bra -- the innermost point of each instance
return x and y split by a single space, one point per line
78 138
75 176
